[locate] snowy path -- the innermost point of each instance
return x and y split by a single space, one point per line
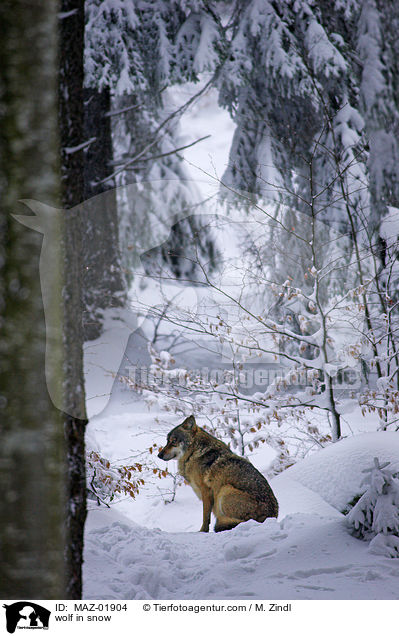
301 557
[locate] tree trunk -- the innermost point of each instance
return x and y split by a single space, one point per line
31 438
104 281
72 163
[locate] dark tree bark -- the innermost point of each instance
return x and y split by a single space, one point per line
71 36
31 436
104 281
99 153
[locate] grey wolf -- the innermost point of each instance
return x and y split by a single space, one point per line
228 485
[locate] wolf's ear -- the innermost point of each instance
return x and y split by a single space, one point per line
189 423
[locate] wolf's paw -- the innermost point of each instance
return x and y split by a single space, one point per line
221 527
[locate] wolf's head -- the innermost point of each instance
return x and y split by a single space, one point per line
179 439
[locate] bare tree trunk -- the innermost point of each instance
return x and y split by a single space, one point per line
31 436
104 281
72 162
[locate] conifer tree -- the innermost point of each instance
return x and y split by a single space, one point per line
71 122
375 516
137 50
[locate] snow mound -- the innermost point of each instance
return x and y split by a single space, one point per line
335 472
293 497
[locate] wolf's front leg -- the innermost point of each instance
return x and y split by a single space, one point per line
207 505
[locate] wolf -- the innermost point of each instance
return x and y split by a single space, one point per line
228 485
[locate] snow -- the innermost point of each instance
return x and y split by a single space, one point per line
322 53
207 161
303 556
336 472
85 144
102 357
390 224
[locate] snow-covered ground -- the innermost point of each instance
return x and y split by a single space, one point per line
148 548
304 556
